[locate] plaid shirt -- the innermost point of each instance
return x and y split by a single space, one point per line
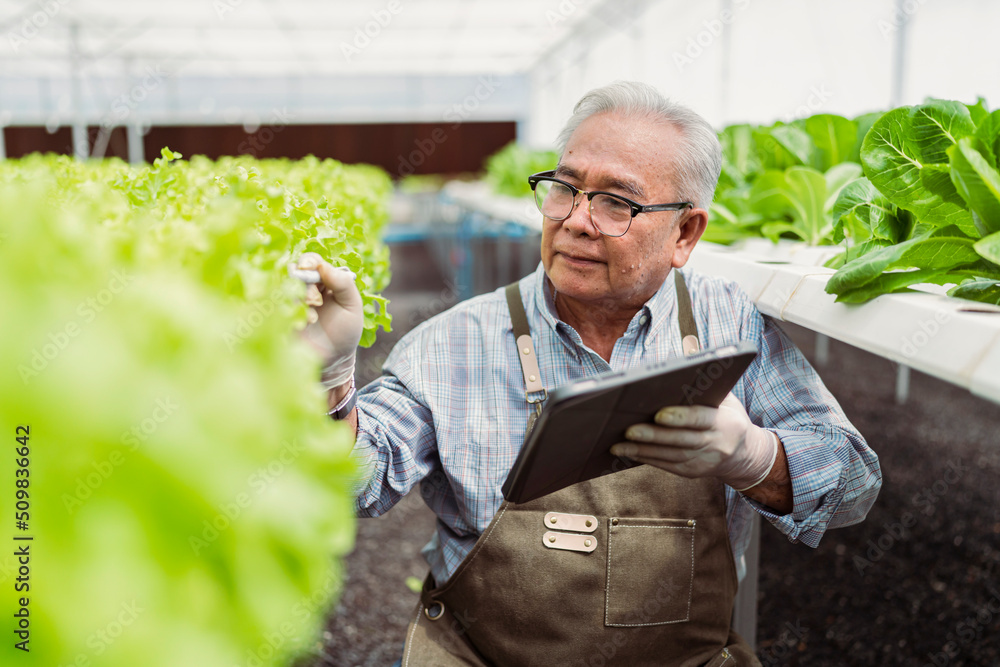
449 411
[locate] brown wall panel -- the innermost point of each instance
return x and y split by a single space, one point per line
399 148
21 141
24 140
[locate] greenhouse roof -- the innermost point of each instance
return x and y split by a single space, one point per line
47 38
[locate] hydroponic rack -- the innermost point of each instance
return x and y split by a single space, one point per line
953 339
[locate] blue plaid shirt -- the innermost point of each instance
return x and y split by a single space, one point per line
449 411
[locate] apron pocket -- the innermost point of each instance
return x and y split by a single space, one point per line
650 571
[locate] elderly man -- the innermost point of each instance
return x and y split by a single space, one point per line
622 211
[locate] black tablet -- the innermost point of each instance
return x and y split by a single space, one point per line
581 420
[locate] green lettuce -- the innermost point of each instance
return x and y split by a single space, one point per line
189 500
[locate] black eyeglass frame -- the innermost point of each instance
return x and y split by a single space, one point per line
635 207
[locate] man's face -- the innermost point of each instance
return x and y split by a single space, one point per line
631 157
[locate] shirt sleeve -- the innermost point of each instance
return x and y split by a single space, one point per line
835 475
396 441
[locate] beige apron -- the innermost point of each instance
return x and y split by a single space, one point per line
633 568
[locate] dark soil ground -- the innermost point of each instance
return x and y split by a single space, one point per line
917 583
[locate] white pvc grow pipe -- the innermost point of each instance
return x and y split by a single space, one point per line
952 339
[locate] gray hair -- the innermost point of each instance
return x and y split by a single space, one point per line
700 157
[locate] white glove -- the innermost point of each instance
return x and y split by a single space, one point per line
697 441
336 320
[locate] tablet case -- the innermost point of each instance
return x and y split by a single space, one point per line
580 422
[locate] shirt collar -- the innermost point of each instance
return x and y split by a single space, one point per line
545 305
658 310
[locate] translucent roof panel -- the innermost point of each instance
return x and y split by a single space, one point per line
282 37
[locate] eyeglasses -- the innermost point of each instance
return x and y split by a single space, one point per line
612 214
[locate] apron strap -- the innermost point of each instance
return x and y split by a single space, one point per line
526 348
685 316
526 354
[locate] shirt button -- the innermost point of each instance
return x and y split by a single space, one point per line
642 319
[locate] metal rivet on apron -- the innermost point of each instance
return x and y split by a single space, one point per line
578 523
531 378
527 350
691 522
569 542
614 522
434 611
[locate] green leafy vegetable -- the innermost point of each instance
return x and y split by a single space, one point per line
989 247
988 138
983 290
834 138
935 251
189 499
508 169
899 149
978 183
932 192
781 181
